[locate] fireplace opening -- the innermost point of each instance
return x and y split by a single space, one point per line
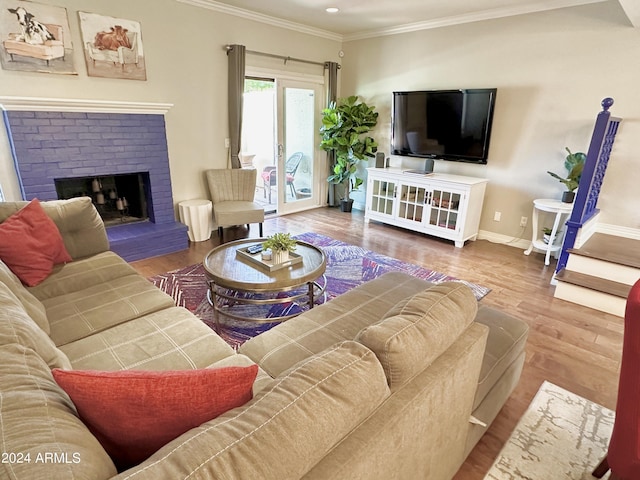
119 198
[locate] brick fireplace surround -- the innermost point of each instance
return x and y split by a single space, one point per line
49 145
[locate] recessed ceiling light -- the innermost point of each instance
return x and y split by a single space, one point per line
332 10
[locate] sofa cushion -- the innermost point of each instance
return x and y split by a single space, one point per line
505 344
77 220
16 327
418 330
169 339
328 394
94 309
135 412
80 225
30 244
340 319
80 274
31 304
39 420
262 381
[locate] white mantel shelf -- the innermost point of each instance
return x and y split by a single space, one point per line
81 105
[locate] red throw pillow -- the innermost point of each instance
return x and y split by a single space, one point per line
133 413
31 244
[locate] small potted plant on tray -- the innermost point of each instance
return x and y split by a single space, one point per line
546 237
280 245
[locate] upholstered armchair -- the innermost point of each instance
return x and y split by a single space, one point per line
232 191
623 456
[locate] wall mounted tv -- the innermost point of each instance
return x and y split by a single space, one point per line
443 124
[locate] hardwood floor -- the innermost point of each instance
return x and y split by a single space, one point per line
569 345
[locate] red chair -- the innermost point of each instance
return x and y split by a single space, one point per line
623 456
269 174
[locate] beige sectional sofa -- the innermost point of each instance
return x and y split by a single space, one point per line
393 379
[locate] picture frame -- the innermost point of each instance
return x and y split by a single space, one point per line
112 47
35 38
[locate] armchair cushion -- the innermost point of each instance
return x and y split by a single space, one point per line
234 213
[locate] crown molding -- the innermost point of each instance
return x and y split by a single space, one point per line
529 7
632 10
262 18
79 105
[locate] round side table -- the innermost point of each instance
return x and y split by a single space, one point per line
198 216
556 207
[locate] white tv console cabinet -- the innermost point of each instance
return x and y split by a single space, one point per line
438 204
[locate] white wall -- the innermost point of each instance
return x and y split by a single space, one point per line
186 66
551 69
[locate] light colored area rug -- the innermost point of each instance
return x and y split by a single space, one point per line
561 436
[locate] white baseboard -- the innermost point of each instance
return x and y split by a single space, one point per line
627 232
493 237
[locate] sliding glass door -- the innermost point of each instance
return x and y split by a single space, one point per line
280 139
297 145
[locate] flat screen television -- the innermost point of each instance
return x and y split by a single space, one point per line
443 124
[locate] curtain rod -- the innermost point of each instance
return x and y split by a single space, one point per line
286 59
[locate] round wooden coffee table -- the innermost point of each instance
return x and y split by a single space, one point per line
236 280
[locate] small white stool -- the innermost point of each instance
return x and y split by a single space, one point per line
560 209
198 216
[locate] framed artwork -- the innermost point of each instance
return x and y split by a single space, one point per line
35 38
112 47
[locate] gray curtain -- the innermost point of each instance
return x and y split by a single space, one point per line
236 57
332 92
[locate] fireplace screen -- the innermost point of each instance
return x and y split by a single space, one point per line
120 198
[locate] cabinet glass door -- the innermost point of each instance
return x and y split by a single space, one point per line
382 196
444 209
411 203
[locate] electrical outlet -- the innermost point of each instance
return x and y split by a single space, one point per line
523 221
497 216
227 143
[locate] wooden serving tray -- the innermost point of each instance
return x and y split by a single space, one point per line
256 259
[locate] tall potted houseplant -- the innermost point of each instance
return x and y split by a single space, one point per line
344 130
574 163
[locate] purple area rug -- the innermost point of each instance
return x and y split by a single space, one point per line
347 267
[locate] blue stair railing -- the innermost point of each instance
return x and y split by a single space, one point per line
595 166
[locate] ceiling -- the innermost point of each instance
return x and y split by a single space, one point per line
368 18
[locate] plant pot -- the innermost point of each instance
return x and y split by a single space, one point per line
568 197
279 256
346 205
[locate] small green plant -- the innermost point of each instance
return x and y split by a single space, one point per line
574 163
280 242
547 230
